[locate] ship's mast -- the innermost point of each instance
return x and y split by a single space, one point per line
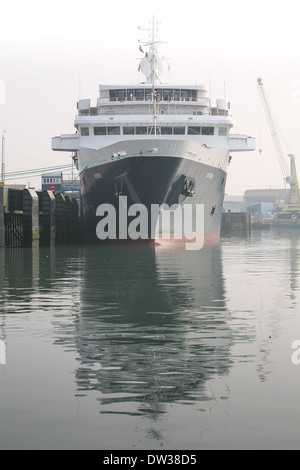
150 64
151 61
154 56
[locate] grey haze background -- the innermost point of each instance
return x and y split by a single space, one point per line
54 52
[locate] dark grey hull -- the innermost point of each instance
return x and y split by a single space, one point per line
153 180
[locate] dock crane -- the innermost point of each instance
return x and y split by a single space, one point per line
289 177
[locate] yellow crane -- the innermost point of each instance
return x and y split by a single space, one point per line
289 177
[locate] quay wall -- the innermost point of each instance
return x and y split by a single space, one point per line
235 222
30 218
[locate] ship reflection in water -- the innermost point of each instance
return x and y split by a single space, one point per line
141 347
151 327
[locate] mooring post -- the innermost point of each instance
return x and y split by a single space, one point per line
75 221
31 229
60 219
52 209
2 278
68 219
47 219
2 227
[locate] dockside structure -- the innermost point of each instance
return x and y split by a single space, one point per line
30 218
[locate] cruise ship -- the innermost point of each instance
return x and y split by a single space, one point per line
152 145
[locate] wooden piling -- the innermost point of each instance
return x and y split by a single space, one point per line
31 219
47 218
31 231
2 271
75 224
2 226
60 218
68 220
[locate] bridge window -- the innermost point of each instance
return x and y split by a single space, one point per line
149 95
130 95
207 131
141 130
194 130
158 94
161 94
99 130
117 95
176 95
128 130
140 95
84 131
113 130
167 95
179 130
166 130
188 95
223 131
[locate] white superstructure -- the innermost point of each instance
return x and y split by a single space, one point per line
152 110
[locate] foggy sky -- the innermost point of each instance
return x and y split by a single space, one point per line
54 52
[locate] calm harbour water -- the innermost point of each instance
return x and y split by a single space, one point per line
137 348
